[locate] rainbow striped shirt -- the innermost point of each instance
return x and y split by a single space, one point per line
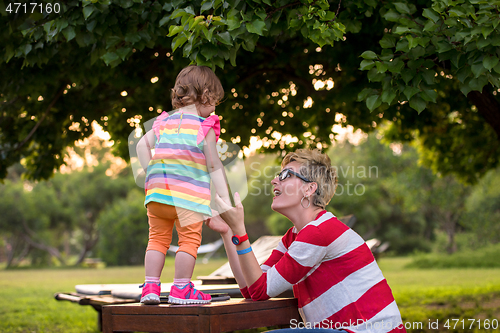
177 173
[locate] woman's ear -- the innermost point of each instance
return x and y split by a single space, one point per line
311 188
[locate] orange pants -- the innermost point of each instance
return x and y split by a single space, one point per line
161 220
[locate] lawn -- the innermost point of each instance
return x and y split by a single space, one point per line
425 296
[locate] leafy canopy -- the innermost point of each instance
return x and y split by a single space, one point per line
113 61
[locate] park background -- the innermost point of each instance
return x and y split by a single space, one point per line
402 95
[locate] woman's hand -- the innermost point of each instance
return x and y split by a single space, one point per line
233 216
216 223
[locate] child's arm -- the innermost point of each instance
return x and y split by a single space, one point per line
215 167
144 149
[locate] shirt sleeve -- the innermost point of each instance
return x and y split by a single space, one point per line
306 251
157 124
211 122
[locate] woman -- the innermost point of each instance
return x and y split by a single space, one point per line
334 275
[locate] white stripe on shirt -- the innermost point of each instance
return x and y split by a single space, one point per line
276 284
343 293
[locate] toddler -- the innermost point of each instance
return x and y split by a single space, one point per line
178 177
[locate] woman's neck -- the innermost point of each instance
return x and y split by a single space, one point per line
302 216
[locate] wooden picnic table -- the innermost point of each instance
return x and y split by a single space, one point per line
234 314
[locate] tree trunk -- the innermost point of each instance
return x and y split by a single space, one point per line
488 107
29 236
450 229
49 249
90 240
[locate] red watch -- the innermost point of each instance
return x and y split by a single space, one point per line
239 239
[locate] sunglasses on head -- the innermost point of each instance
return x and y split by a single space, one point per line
285 173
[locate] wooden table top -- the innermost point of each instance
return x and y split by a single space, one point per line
234 314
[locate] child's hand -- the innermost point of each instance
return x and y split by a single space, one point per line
216 223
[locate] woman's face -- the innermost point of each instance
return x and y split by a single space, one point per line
288 192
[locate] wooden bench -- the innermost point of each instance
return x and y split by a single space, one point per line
225 316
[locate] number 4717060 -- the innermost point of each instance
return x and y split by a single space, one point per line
32 7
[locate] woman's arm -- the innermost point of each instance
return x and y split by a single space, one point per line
217 224
234 217
215 167
144 149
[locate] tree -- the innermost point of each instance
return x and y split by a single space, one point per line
123 231
429 67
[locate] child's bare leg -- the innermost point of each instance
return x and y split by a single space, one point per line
153 263
184 265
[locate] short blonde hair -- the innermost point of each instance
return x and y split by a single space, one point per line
196 84
316 167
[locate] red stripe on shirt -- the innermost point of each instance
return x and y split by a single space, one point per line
366 307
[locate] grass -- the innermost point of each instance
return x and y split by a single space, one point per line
27 303
480 258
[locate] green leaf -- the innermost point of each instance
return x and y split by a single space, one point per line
26 49
232 56
497 68
374 75
388 96
87 11
486 31
91 25
396 65
224 37
233 23
109 57
410 91
256 27
123 52
164 20
392 16
366 65
370 55
478 69
364 93
61 24
430 26
402 7
478 83
489 62
373 102
133 37
178 41
69 33
407 75
431 15
463 74
112 41
429 76
209 50
417 103
206 6
401 30
174 30
388 41
381 67
429 95
465 88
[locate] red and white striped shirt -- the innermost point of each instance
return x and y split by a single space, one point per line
334 276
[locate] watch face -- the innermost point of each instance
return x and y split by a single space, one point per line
235 240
